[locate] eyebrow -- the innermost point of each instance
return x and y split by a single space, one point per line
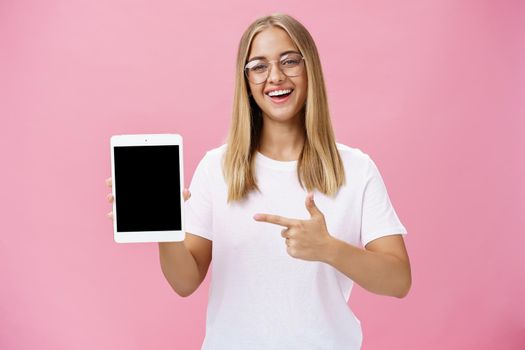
282 53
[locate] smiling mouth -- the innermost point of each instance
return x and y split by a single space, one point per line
280 98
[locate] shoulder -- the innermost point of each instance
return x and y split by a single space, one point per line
353 157
213 157
216 152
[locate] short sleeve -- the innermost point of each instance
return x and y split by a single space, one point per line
379 217
198 209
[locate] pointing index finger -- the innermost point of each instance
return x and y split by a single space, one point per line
275 219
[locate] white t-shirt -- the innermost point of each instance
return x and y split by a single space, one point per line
262 298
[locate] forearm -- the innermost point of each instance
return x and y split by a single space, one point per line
379 273
179 267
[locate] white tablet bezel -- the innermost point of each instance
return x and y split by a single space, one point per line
147 140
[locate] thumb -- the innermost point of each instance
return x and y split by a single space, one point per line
310 205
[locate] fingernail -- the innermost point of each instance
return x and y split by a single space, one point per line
257 216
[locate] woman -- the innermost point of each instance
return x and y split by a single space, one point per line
284 263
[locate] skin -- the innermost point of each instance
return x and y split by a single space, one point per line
282 135
382 267
184 264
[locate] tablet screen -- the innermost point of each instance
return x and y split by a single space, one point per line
147 188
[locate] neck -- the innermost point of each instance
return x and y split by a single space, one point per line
282 141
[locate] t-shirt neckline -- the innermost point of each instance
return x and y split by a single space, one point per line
265 161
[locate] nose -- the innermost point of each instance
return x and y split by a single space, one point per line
275 74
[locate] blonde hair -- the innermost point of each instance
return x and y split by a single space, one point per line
319 165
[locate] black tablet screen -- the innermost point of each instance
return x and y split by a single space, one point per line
147 188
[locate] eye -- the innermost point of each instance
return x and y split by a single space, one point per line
289 62
259 68
256 66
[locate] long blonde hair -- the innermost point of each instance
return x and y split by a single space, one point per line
319 165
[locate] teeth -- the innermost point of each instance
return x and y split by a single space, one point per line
279 92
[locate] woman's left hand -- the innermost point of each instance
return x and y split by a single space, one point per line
305 239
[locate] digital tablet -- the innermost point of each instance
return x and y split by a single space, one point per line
147 174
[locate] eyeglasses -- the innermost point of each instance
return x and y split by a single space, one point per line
258 70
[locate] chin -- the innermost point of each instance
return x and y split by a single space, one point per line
282 116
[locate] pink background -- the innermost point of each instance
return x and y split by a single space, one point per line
433 90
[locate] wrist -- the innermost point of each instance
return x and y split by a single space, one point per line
329 251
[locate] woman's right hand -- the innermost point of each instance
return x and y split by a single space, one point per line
186 193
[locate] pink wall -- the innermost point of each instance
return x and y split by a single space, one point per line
434 91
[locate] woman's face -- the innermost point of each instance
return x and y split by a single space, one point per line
271 43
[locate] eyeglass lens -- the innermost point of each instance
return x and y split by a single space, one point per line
257 70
